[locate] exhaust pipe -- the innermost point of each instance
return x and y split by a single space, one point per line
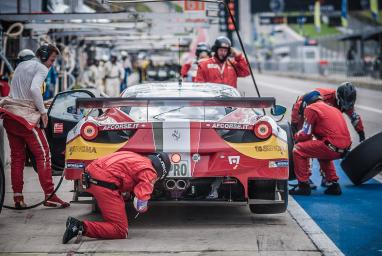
170 184
181 184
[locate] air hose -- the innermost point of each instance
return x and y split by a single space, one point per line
9 34
40 203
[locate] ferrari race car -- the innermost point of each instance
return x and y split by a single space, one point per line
208 130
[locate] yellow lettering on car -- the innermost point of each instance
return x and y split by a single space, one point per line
273 148
87 150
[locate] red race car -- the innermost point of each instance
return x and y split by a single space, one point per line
209 131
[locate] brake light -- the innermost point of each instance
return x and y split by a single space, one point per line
263 130
89 131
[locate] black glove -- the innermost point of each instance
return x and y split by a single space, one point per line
361 136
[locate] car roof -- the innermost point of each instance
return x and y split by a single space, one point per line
175 89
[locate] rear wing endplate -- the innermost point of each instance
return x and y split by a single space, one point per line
237 102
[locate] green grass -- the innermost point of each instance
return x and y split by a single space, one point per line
367 15
142 8
309 30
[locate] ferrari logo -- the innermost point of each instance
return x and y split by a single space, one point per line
176 135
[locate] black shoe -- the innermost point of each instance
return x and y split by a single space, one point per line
303 188
324 182
333 188
74 227
312 185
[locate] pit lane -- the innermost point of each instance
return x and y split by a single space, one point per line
193 230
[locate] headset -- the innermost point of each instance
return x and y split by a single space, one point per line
44 52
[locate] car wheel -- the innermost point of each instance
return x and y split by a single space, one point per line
2 185
290 139
268 192
364 161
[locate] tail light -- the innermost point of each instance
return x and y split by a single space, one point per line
263 130
89 131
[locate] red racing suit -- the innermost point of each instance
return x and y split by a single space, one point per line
213 71
130 172
332 139
329 97
21 123
189 70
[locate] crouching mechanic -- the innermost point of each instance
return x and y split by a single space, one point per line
106 178
343 99
324 136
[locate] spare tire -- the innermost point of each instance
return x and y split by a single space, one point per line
364 161
288 130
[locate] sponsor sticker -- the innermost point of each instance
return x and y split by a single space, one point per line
277 164
58 128
121 126
234 160
266 148
230 126
82 149
75 165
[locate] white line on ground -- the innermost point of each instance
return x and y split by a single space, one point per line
369 108
315 233
281 88
378 177
299 92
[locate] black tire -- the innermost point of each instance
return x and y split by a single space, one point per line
272 208
364 161
2 185
288 130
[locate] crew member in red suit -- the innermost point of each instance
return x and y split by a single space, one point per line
221 68
324 136
343 99
106 179
190 69
25 118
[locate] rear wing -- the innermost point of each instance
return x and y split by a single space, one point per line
237 102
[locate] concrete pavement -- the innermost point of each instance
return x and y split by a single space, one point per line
164 230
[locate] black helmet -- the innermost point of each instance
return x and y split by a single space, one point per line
222 42
203 47
161 163
346 96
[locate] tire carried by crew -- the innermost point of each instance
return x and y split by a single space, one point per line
364 161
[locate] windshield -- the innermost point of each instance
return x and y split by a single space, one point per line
176 113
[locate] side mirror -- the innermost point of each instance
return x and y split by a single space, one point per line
278 110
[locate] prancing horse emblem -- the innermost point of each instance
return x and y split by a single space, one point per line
176 135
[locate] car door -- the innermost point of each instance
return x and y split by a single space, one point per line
63 116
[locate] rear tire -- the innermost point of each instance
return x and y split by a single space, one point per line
290 141
364 161
264 191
